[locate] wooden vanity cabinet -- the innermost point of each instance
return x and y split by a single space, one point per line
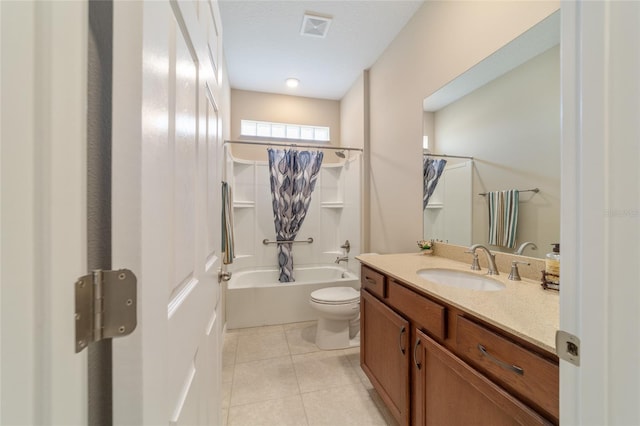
384 355
425 361
450 392
374 282
513 367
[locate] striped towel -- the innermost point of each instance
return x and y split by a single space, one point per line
227 225
503 217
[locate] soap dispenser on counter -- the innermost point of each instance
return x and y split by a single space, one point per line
551 273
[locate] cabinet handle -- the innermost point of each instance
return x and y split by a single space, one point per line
415 359
370 281
402 330
502 364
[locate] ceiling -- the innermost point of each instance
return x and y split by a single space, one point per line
263 46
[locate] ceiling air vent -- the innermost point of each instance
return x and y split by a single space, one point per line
315 26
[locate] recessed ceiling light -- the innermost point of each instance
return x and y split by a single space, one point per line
292 82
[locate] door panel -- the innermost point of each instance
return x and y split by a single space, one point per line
166 210
212 409
214 174
185 408
184 123
213 41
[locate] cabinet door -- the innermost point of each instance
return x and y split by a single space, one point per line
384 354
447 391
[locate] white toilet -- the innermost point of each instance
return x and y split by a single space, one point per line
338 311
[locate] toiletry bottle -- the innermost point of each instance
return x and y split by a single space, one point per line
552 265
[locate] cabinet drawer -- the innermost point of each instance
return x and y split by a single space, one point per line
514 367
374 281
424 313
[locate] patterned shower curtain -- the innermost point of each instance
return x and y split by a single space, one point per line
293 178
431 172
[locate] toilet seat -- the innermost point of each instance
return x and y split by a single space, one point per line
335 296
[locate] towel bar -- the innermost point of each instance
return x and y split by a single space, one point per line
536 190
308 241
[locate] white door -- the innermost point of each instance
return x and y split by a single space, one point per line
166 210
600 296
43 96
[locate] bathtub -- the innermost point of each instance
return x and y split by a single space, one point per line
255 297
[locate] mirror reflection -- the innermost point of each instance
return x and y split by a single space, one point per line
492 136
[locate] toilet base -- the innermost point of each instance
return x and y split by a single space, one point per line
335 334
355 342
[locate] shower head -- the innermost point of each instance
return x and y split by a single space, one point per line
340 154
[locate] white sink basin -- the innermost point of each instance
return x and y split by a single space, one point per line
460 279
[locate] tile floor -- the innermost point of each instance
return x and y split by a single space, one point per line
277 376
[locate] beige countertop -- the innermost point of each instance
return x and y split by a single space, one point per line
523 308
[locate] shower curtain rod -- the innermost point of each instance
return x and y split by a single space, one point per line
296 145
446 156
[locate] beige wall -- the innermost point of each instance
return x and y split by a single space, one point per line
246 105
511 127
352 112
443 39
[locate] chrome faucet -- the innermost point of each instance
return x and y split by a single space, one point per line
475 265
514 275
342 259
491 258
524 245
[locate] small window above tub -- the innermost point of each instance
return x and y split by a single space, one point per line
270 130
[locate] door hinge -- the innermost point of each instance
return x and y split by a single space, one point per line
105 306
568 347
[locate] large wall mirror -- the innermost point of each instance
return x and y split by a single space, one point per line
497 127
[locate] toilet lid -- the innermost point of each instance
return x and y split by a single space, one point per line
336 295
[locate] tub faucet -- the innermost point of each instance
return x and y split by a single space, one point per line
342 259
491 258
524 245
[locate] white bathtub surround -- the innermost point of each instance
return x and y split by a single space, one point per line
333 216
256 298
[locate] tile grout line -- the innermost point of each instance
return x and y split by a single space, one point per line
360 382
233 374
295 372
280 330
263 359
259 360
